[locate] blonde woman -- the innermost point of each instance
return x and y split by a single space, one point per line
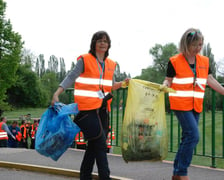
188 73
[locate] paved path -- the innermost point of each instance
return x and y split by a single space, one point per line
71 161
10 174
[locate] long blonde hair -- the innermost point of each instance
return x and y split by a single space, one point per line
190 36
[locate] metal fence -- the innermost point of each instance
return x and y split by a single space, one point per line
211 126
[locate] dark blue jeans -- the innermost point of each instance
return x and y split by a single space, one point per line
190 136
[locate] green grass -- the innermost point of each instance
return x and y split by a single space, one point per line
16 113
204 150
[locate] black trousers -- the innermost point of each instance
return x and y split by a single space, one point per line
94 124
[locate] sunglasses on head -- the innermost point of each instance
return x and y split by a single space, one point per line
194 32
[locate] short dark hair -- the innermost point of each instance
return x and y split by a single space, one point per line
15 122
96 36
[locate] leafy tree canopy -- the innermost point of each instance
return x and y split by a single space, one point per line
10 54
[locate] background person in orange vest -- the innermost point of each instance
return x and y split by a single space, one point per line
33 130
4 131
80 141
188 73
110 137
94 80
24 132
28 129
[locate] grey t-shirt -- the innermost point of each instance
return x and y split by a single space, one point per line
5 128
74 74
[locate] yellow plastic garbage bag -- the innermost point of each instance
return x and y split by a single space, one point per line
144 131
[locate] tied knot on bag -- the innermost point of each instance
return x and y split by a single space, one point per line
57 107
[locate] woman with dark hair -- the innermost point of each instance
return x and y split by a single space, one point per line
99 35
93 76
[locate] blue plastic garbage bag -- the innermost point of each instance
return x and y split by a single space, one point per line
56 131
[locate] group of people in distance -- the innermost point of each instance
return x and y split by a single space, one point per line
81 143
15 135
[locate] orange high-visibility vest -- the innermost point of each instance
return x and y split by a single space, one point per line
89 83
3 134
27 130
24 131
19 136
189 89
79 138
109 143
33 131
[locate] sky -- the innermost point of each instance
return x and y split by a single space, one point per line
64 28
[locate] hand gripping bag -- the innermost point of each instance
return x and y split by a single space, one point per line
144 131
56 131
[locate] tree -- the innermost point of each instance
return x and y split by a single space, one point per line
27 91
119 76
37 67
62 72
207 51
49 83
220 67
27 58
10 54
53 64
151 74
40 66
117 73
161 55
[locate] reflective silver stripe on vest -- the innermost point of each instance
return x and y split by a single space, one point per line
93 81
202 81
87 93
3 134
187 94
183 80
190 80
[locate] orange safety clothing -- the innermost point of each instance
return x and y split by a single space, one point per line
189 88
109 138
19 136
91 81
27 129
33 131
79 138
3 133
24 135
